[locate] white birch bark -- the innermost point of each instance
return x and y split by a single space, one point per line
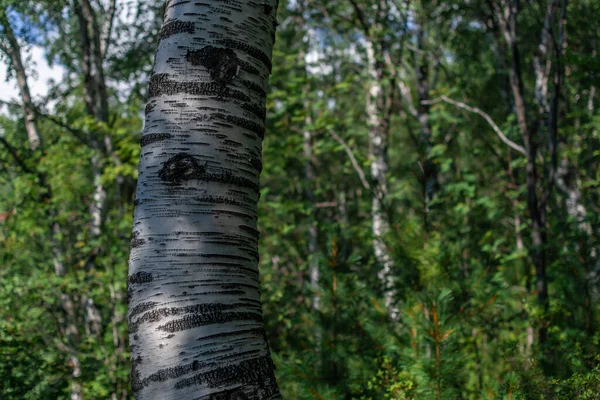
195 317
96 100
13 51
378 131
541 62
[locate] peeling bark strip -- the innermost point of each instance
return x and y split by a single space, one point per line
195 318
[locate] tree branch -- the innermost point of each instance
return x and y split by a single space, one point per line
16 157
78 134
485 116
357 167
406 95
5 49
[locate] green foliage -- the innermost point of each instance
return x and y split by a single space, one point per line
463 277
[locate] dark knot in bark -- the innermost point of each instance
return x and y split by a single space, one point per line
180 167
136 240
222 64
141 277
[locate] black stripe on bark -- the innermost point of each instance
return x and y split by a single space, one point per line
174 27
220 335
160 313
255 52
249 68
141 277
231 266
229 256
135 240
254 87
241 122
183 167
160 84
257 371
253 232
255 109
142 307
195 320
221 200
165 374
153 138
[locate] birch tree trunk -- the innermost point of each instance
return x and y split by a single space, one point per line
378 126
96 100
13 51
195 318
378 118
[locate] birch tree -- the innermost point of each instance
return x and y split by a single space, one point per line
378 115
195 319
12 49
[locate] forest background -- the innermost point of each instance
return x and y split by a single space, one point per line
430 209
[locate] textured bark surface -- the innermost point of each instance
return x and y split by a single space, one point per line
195 318
13 51
69 326
378 126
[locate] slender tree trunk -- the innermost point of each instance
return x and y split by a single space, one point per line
195 319
96 102
378 118
429 179
90 69
13 51
507 19
93 50
378 126
542 63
